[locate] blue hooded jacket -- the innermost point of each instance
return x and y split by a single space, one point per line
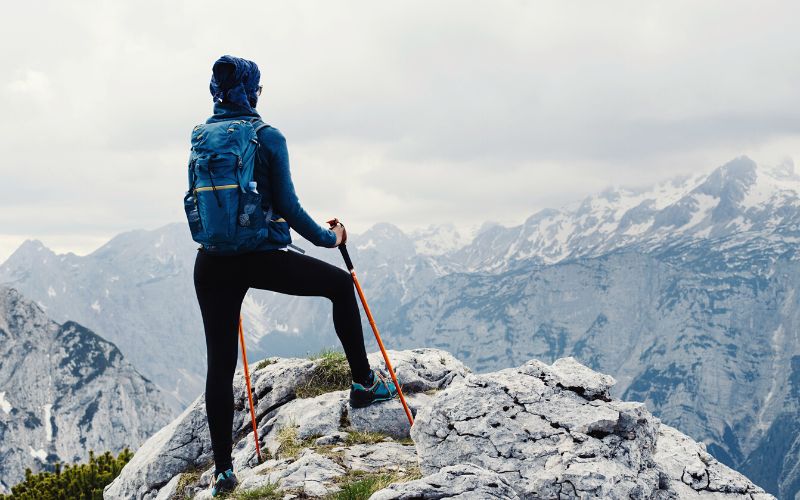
234 86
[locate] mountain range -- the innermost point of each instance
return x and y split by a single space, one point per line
685 292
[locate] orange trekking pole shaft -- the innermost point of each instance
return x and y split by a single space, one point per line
351 268
249 390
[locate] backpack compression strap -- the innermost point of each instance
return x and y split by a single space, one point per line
258 151
258 128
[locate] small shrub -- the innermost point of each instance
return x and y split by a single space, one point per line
331 373
81 481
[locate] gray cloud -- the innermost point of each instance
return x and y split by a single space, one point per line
415 113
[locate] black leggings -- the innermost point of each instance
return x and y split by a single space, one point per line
221 283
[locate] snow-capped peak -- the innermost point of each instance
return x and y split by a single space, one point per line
737 197
442 238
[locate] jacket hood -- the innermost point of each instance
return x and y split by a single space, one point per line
229 111
235 80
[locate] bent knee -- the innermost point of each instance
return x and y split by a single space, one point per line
341 284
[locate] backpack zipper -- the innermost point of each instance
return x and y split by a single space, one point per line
213 187
209 188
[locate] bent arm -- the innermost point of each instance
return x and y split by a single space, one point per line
284 198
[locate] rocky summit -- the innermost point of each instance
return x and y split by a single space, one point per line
535 431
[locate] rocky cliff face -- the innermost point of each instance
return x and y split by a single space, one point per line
65 391
535 431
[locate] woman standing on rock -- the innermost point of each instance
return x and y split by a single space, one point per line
221 281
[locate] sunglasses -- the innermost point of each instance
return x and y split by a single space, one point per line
258 90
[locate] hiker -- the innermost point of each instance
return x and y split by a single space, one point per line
222 280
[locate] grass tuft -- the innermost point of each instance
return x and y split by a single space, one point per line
266 362
364 437
187 479
328 353
331 373
359 485
269 491
289 444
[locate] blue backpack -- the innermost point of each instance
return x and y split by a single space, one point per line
223 206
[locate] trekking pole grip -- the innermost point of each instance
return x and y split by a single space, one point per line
343 247
346 256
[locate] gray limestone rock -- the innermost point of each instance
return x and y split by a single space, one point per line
313 417
311 472
423 369
465 482
536 431
184 444
379 456
388 417
336 437
693 472
553 431
170 490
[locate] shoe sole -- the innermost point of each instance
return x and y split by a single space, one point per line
364 404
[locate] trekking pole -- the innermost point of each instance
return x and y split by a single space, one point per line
349 263
249 390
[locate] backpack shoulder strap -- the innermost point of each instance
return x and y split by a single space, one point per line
258 124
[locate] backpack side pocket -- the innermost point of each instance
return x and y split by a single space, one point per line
193 216
251 226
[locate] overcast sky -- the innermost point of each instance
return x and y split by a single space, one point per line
414 112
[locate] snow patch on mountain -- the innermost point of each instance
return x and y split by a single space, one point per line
443 238
369 244
4 404
48 424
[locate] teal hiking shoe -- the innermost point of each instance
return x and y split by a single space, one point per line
225 483
378 388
